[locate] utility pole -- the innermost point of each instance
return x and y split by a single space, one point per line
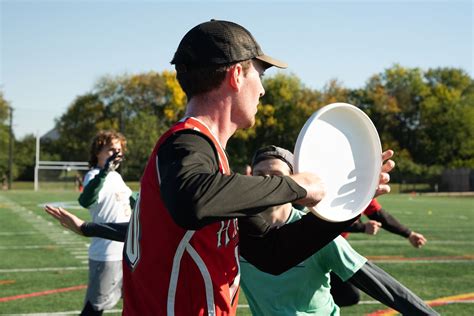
10 152
36 185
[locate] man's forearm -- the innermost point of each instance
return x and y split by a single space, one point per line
275 250
112 231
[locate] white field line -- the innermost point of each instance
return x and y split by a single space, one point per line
81 257
18 233
79 252
42 269
239 306
404 241
74 242
468 261
28 247
79 248
444 302
69 205
54 233
62 313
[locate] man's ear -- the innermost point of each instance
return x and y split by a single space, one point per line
236 73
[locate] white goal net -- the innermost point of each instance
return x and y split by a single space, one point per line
58 174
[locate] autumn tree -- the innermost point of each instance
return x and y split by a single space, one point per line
426 116
141 106
283 110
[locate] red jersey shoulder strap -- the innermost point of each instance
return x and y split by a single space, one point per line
196 125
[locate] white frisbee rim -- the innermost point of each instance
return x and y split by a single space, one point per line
376 148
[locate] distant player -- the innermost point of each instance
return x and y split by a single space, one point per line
78 182
380 218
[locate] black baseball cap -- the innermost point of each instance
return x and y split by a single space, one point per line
219 43
273 152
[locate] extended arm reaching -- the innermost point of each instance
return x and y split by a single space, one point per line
383 287
113 231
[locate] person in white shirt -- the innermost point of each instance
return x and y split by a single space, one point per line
108 199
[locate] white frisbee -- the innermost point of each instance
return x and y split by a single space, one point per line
340 144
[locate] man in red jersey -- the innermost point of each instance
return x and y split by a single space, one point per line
181 255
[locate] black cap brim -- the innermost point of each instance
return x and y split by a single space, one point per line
270 61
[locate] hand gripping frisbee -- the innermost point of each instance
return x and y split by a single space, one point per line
340 144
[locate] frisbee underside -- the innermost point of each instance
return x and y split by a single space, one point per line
340 144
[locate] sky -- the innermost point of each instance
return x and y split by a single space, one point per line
53 51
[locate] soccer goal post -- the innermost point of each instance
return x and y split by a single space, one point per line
56 170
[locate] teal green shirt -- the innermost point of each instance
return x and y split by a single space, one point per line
304 289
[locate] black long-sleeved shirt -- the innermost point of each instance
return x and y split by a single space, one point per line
196 194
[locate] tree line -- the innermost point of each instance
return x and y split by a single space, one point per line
426 116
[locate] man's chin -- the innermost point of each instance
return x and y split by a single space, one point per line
251 122
246 126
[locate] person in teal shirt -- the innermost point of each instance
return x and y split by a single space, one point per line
306 288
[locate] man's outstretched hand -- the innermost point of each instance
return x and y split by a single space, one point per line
68 220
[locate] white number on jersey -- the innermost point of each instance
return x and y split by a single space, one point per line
132 244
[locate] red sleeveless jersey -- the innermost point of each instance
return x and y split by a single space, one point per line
373 207
169 270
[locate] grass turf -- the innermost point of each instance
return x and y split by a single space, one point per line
32 240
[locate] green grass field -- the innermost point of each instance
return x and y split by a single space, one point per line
43 268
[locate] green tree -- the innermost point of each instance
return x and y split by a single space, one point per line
432 117
408 89
25 150
84 117
140 143
426 116
381 107
4 135
284 108
446 131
